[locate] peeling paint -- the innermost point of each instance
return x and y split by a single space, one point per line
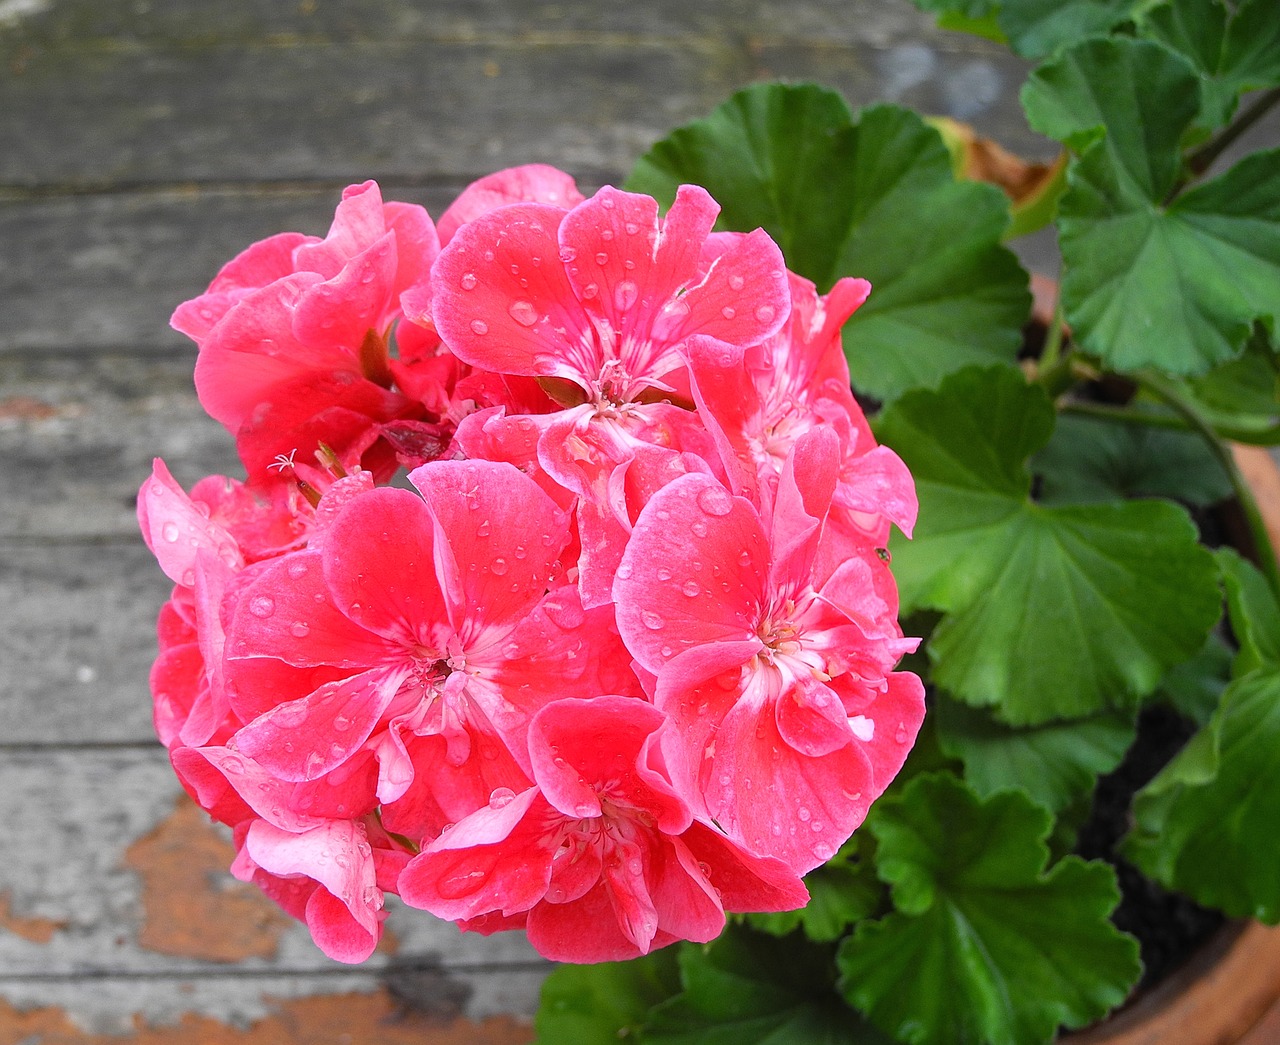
192 906
337 1019
37 930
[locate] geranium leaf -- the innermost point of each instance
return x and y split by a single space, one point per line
748 989
985 946
1231 51
600 1004
1055 765
1254 614
1195 686
842 892
1050 612
1092 459
1036 28
1177 285
1243 396
1214 807
836 194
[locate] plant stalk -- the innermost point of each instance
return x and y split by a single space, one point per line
1165 390
1203 158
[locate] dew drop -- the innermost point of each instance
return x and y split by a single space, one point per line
692 589
728 312
667 651
590 291
816 826
523 313
297 569
468 281
624 570
804 814
341 723
736 282
300 629
480 327
664 574
498 566
900 734
715 500
699 528
652 621
606 234
632 228
765 313
188 578
501 796
169 531
625 294
602 258
488 255
606 202
262 605
568 254
484 529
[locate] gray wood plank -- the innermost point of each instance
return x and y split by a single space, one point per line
77 638
106 271
71 820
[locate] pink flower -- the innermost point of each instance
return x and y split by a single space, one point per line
759 401
602 856
598 303
779 682
294 333
415 617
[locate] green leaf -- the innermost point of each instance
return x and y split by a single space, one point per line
1036 28
1206 825
1091 459
1050 612
1056 765
601 1004
1232 52
966 16
986 946
836 195
1241 399
1195 686
842 891
748 989
1254 615
1173 285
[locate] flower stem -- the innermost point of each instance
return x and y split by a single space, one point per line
1202 159
1265 554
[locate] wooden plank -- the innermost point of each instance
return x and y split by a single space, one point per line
105 271
78 434
130 114
76 642
131 881
194 21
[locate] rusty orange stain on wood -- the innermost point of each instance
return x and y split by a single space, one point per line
37 930
192 906
334 1019
26 408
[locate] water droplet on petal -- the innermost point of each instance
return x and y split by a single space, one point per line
297 569
736 282
624 570
715 500
699 528
664 573
692 589
523 313
652 621
501 796
300 629
468 281
484 529
625 294
728 312
602 258
498 566
479 327
568 254
590 291
765 313
804 814
262 606
169 531
632 228
606 234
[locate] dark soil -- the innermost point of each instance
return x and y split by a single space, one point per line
1169 927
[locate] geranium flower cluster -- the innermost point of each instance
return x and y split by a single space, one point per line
617 658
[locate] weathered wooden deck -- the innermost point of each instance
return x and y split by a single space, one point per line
141 145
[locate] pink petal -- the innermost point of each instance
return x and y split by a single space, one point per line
811 718
176 530
380 567
743 298
306 738
485 313
531 183
339 312
742 880
358 221
498 538
693 573
586 930
686 903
